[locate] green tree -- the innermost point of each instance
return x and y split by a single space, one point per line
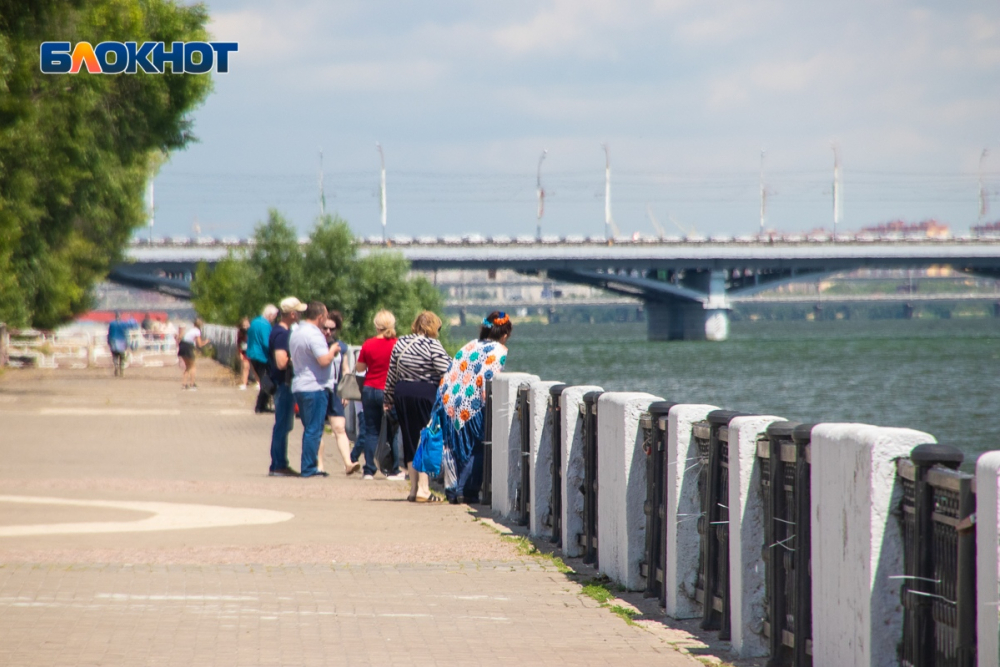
380 281
226 293
276 259
327 269
329 263
76 150
243 282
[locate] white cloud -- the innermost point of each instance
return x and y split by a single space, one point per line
389 76
567 26
267 35
717 24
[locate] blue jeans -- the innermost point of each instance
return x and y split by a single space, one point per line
312 409
283 419
371 400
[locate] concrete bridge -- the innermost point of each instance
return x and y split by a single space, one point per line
688 286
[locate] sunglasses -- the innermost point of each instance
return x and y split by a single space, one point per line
329 328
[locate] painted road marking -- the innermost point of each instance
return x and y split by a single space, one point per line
166 516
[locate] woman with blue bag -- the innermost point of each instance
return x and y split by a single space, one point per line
458 411
416 366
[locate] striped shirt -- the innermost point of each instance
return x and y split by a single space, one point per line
415 358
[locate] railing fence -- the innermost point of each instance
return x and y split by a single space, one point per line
690 478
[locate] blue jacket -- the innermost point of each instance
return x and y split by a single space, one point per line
117 336
257 337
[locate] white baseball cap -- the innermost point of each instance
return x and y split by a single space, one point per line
290 303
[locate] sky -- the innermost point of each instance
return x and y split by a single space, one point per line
464 96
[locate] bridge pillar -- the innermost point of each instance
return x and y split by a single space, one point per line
689 320
679 319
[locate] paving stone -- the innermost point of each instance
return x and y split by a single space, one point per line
358 576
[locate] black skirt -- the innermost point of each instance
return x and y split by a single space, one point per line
413 402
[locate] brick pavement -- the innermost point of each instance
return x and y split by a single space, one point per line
358 576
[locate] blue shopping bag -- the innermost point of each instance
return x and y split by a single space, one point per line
428 455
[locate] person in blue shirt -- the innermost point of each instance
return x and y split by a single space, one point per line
258 337
118 342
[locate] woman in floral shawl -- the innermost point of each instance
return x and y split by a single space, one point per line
462 397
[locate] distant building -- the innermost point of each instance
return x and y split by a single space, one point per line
931 229
987 229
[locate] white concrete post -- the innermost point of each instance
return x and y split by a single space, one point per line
621 483
540 462
506 453
857 542
746 537
683 510
987 560
572 467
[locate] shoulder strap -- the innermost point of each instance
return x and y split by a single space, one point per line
409 344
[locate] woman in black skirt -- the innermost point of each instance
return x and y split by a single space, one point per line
418 361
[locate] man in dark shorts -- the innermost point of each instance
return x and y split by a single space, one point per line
280 370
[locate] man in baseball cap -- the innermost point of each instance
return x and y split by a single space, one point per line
281 374
291 304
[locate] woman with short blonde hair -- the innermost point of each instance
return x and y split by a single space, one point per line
385 324
427 324
418 361
373 360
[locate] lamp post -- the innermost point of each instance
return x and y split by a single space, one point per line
763 193
381 156
608 222
836 188
541 196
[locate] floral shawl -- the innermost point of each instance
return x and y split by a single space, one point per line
462 389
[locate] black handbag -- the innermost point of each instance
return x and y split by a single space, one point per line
384 457
267 384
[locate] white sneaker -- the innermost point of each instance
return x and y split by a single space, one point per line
368 477
243 387
398 477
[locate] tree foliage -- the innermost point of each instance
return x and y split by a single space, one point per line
327 268
76 150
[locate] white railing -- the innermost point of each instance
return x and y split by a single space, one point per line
856 539
79 349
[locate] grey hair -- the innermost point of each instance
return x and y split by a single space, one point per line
270 312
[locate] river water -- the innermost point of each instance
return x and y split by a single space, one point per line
937 376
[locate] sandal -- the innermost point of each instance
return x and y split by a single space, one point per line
430 499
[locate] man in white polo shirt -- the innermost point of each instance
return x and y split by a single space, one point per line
311 357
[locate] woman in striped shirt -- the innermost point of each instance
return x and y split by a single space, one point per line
418 361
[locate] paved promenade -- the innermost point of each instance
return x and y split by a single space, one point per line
138 526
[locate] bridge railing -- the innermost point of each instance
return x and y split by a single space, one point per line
819 543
